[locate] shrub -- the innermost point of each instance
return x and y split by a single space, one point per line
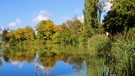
98 43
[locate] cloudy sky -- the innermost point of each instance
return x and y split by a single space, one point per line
19 13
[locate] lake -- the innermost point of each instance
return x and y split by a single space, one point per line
55 60
35 67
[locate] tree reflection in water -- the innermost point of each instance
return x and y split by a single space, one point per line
0 61
40 70
46 58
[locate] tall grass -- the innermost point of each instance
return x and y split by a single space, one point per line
123 51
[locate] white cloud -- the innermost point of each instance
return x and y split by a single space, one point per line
15 23
17 63
20 65
41 15
18 21
81 18
34 13
78 10
66 18
108 6
2 27
12 24
14 62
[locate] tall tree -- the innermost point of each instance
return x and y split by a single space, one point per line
121 17
90 17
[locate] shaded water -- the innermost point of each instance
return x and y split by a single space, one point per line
55 60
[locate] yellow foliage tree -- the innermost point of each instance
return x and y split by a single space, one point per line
19 33
29 33
47 30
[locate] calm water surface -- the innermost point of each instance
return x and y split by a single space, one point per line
57 61
24 68
30 63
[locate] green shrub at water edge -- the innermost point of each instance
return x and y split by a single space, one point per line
98 43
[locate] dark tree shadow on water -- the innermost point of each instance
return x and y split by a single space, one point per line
0 62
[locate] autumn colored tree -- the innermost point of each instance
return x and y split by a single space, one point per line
56 35
19 34
44 29
47 30
29 33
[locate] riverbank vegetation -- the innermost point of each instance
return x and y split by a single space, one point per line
118 48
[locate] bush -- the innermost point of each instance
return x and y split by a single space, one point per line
99 43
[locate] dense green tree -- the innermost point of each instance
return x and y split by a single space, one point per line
71 30
65 34
74 26
121 17
11 36
90 17
4 35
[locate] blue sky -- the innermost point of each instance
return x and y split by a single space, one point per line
19 13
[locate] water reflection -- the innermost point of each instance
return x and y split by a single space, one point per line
41 62
57 60
0 61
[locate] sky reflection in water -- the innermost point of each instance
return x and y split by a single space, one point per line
34 68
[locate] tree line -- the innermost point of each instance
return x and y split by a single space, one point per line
119 20
46 30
